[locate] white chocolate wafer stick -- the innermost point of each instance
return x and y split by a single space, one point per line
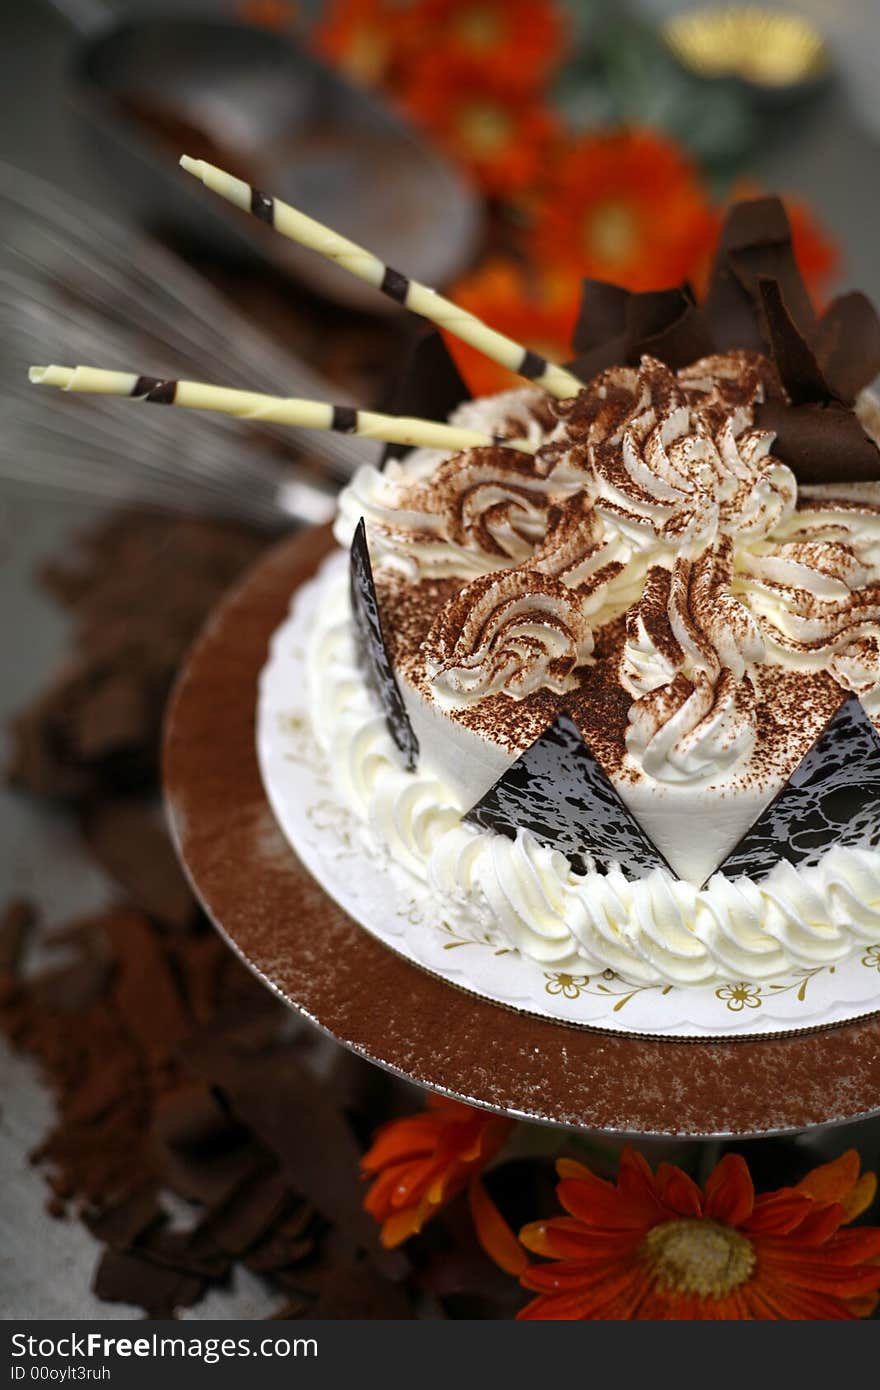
365 266
277 410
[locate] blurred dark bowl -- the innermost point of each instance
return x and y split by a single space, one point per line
268 111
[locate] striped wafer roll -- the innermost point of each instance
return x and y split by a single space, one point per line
365 266
277 410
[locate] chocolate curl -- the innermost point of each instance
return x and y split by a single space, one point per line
817 435
429 385
795 360
848 344
821 443
755 242
602 316
616 327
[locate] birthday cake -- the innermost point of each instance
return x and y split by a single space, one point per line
609 684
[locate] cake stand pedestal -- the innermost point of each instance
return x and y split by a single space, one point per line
306 949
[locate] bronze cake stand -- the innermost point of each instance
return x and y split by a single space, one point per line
306 949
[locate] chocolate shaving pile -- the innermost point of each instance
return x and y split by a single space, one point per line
181 1084
172 1076
137 591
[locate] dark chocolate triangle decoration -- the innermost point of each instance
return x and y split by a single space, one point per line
832 798
558 792
374 653
429 386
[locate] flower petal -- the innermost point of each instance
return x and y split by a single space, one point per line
493 1232
566 1274
822 1276
830 1182
403 1224
566 1238
677 1191
860 1196
401 1139
777 1212
612 1298
730 1193
776 1301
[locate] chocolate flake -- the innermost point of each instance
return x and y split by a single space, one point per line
755 241
848 344
756 301
138 589
145 991
120 1226
277 1113
617 327
795 360
832 798
558 792
430 386
124 1277
148 989
380 672
359 1290
821 443
128 839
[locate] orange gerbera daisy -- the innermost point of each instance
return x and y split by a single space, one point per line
656 1246
625 206
270 14
420 1163
369 40
537 309
524 39
495 130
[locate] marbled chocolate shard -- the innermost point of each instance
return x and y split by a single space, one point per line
368 627
832 798
558 792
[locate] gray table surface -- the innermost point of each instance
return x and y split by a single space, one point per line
45 1266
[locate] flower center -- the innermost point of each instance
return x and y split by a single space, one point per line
485 129
698 1256
367 55
611 232
479 28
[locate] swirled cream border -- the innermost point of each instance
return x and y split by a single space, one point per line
398 910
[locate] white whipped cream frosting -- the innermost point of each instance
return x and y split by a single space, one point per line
654 495
525 896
